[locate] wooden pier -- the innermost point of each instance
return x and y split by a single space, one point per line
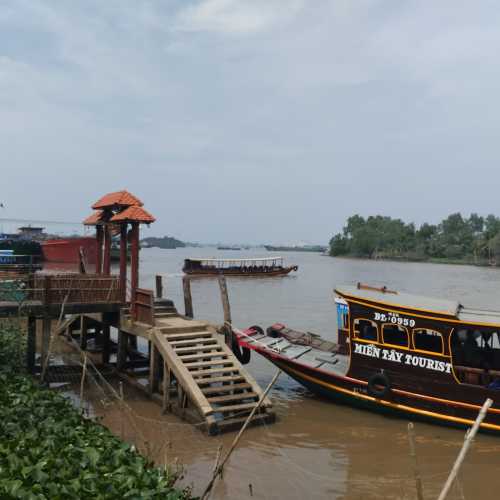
182 363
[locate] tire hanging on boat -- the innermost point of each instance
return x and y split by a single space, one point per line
379 385
243 354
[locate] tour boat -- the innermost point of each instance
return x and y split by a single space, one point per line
407 355
271 266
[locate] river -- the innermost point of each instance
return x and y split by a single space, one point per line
317 449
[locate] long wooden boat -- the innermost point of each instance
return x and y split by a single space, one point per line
408 355
263 267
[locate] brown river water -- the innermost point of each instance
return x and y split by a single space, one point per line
317 449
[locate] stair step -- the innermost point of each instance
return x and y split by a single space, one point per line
204 341
232 397
214 362
161 314
235 408
225 388
173 329
216 380
237 422
200 373
205 355
192 335
197 348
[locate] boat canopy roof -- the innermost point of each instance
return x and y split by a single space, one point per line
233 261
421 303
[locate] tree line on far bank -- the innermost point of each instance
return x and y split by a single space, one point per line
475 239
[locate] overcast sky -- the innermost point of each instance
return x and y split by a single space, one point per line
250 120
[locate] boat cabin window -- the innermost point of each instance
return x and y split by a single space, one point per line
396 335
428 340
476 356
365 329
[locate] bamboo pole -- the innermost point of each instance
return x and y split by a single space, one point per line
469 436
82 381
413 455
122 426
220 467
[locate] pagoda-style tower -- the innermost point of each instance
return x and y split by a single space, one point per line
114 212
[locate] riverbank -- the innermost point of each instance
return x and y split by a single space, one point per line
49 450
466 261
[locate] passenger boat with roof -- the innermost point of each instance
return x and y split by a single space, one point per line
270 266
407 355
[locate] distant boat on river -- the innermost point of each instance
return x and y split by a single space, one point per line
261 267
407 355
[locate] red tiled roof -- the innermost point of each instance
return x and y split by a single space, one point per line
94 219
121 198
133 214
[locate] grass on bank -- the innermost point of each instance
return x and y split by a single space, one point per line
49 451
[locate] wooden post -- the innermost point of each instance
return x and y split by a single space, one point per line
166 388
83 332
188 299
106 339
99 238
46 325
413 455
154 369
31 344
106 264
228 333
82 381
159 286
121 355
134 263
123 261
46 291
469 436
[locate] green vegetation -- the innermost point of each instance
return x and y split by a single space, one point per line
49 451
456 239
166 242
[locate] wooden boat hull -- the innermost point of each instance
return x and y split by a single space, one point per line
237 272
398 402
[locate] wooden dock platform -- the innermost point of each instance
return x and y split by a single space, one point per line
195 374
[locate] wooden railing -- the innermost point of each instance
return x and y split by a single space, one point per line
73 289
143 306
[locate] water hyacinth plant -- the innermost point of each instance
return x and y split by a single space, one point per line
49 451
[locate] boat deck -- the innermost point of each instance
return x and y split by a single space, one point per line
303 354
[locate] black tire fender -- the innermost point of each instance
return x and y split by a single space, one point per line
243 354
379 385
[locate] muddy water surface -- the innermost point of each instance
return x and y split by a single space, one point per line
317 449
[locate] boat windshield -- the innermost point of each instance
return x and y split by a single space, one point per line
476 356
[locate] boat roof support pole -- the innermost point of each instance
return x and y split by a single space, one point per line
99 238
107 251
134 262
123 261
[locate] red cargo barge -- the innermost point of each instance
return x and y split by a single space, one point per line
66 250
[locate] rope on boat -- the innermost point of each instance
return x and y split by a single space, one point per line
254 340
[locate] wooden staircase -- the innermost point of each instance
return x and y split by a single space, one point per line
203 372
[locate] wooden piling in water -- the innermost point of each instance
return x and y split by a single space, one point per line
225 299
159 286
188 299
